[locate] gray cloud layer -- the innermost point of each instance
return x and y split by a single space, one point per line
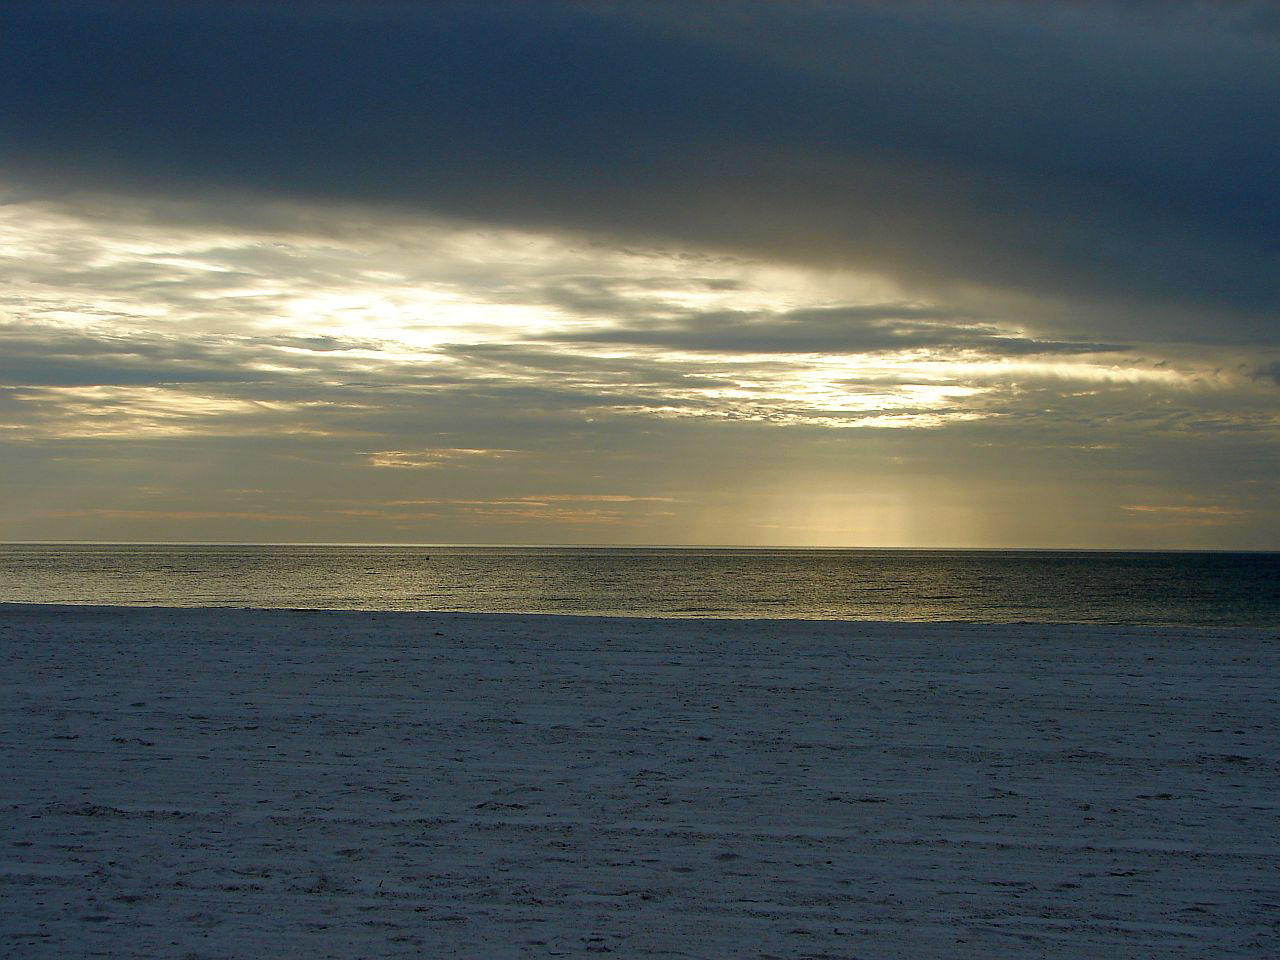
1115 154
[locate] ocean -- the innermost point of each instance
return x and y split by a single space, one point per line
1188 589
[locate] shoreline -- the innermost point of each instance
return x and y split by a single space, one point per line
19 606
338 783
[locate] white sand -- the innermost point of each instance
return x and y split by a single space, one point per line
269 784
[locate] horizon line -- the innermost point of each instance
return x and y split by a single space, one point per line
629 546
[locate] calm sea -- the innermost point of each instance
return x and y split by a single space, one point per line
1022 586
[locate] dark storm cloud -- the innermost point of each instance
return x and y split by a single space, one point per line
1121 153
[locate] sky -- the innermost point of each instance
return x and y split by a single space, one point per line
809 274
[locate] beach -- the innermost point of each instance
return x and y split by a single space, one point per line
234 783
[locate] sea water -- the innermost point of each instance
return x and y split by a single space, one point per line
984 586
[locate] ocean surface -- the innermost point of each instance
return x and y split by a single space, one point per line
1207 589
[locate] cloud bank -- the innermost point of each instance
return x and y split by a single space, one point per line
978 273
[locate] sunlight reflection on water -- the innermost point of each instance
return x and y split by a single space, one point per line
1130 588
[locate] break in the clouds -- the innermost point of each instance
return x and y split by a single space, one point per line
859 273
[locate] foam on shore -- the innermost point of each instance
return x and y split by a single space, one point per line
233 783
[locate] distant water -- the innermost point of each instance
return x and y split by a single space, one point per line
1023 586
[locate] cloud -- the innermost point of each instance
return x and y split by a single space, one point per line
43 355
1195 516
385 338
864 328
431 459
342 361
1114 156
180 516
